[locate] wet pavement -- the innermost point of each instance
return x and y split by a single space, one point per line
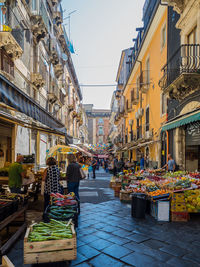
107 234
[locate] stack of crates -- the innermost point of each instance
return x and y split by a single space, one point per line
178 208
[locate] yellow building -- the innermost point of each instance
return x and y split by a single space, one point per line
145 104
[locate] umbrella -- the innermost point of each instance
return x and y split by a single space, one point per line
52 152
82 150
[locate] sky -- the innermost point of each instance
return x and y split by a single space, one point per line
100 30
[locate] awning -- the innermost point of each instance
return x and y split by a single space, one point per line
186 119
84 152
17 99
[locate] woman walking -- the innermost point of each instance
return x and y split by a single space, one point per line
73 175
51 177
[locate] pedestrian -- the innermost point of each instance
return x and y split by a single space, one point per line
142 162
51 177
171 165
115 163
120 165
106 165
16 175
73 175
94 164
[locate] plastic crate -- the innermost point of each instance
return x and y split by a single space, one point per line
178 197
160 210
180 216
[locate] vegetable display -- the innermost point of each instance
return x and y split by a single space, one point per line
60 213
55 230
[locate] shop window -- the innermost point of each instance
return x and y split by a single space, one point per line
163 36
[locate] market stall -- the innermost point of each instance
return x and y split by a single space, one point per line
167 195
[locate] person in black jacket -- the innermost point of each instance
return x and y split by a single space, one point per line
73 175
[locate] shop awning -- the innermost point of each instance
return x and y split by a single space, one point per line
17 99
186 119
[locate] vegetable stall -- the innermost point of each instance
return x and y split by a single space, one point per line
168 195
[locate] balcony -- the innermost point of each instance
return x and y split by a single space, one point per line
37 79
54 56
11 34
58 69
145 81
6 65
54 92
178 5
39 23
181 74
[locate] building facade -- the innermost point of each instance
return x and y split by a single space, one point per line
98 125
180 82
142 102
40 95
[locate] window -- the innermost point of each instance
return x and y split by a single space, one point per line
34 4
101 130
163 103
101 121
192 37
132 95
138 87
163 36
147 119
147 80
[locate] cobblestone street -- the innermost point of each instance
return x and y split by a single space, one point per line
107 234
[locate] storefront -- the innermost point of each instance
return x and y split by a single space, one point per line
192 146
184 140
6 148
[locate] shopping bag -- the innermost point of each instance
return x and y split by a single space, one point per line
83 175
42 187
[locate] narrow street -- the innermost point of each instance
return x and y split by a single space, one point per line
107 234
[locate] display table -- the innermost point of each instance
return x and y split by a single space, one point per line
4 180
6 222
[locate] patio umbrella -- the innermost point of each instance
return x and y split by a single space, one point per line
52 152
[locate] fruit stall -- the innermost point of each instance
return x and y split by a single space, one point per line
168 195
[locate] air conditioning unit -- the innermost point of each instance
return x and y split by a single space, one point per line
130 122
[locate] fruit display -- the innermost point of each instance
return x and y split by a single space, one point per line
158 192
192 199
54 230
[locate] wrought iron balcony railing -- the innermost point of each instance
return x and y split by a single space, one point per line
186 60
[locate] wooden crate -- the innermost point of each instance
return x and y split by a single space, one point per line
49 251
125 196
180 216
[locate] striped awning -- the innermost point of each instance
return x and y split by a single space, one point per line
17 99
181 121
